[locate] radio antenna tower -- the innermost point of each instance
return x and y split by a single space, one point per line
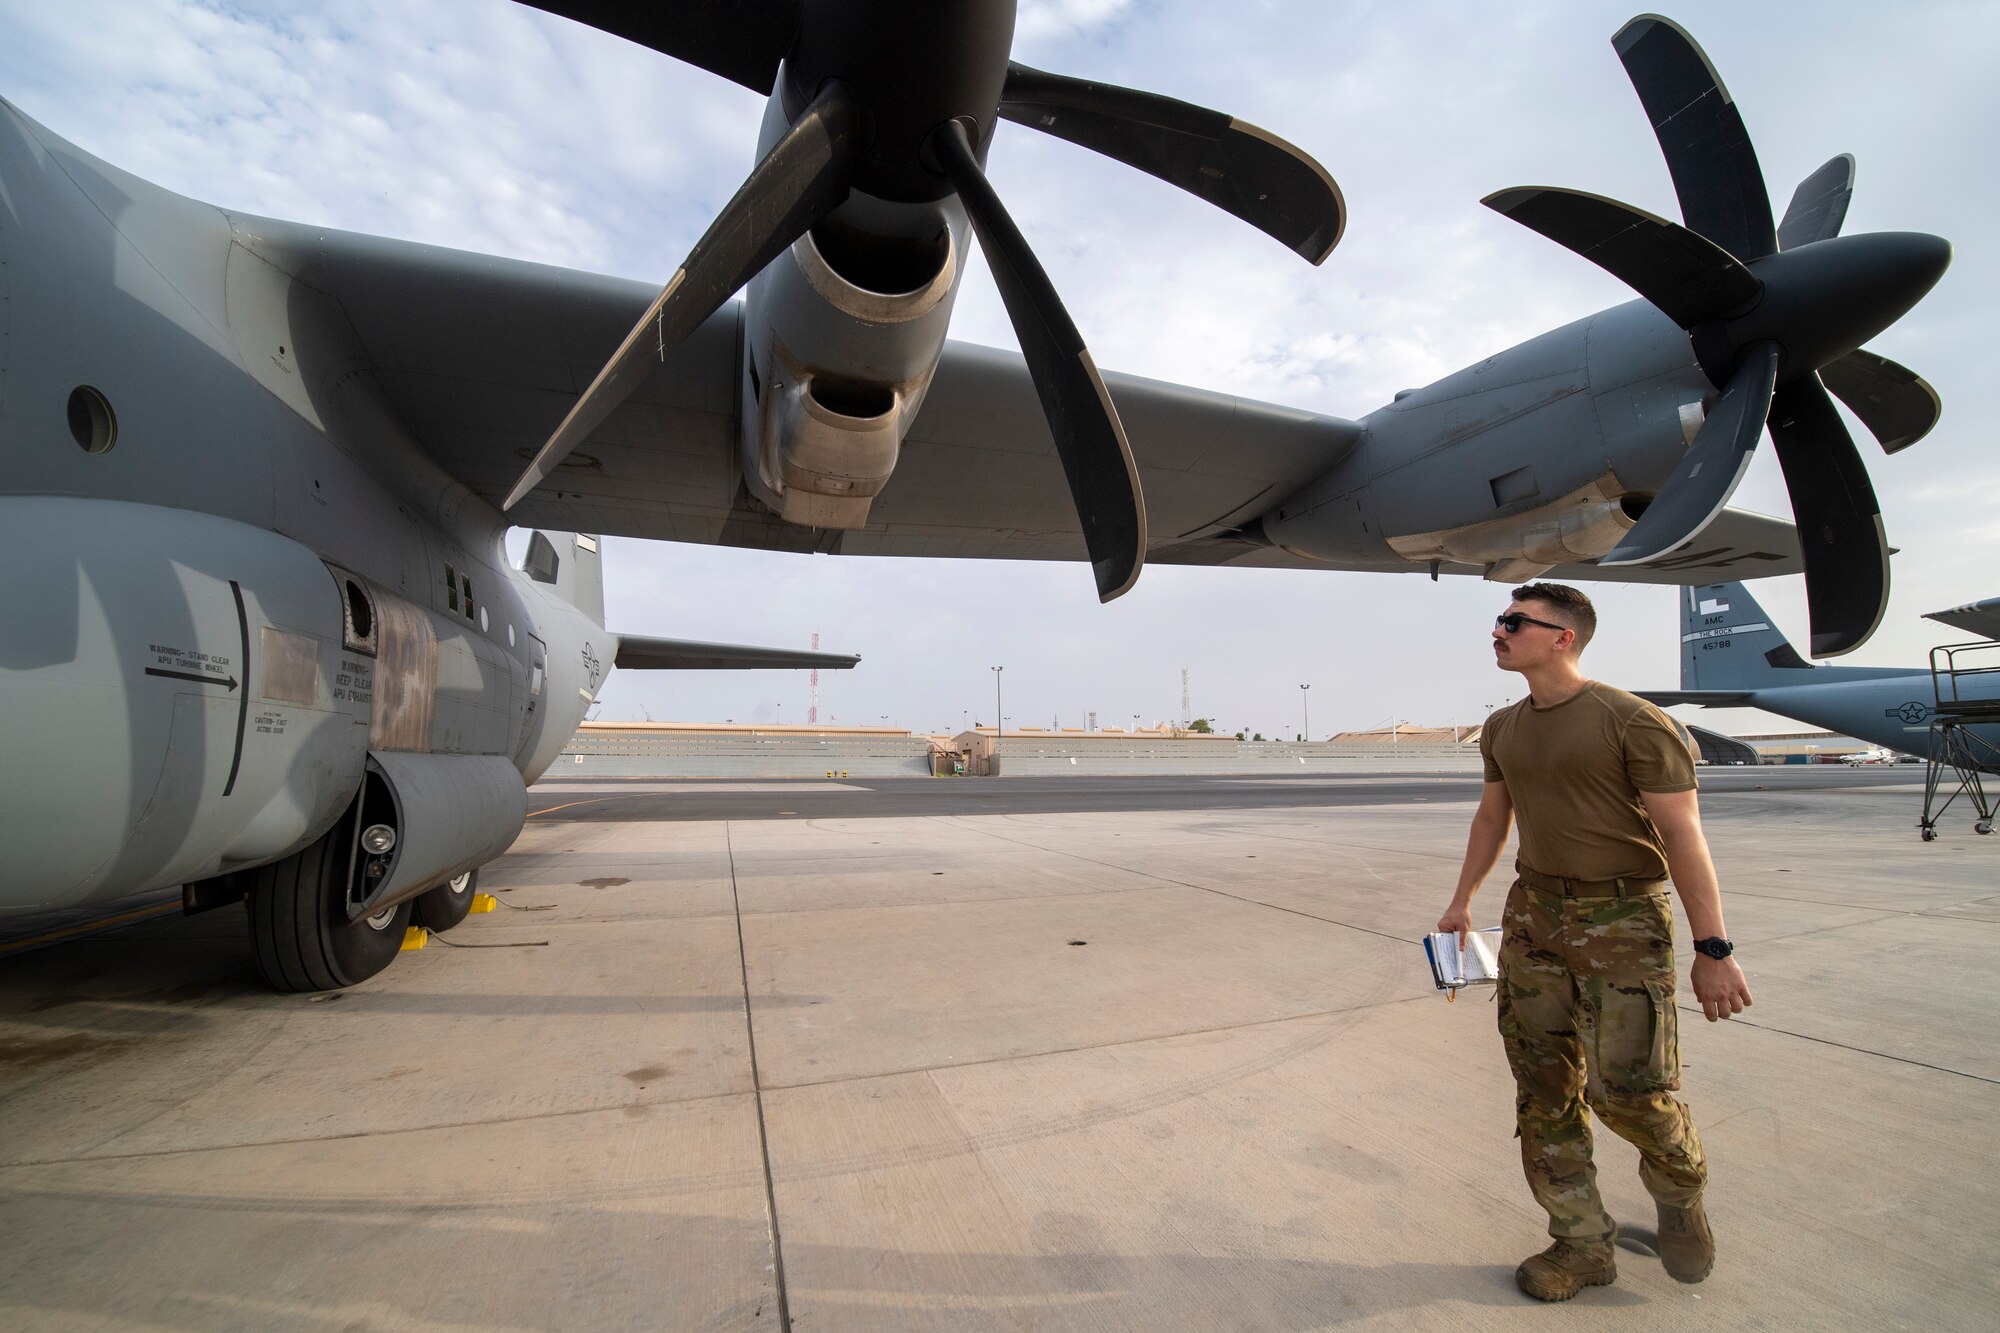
812 704
1186 716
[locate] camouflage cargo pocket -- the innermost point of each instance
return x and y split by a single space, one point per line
1663 1066
1638 1038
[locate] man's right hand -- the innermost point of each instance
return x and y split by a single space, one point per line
1457 919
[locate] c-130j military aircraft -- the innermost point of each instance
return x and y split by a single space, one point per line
263 637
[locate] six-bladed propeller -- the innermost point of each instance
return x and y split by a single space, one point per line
1776 315
897 100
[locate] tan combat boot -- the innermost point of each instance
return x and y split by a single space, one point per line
1687 1247
1567 1267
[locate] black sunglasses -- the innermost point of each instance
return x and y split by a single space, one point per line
1513 620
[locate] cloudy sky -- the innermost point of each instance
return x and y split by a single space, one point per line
482 125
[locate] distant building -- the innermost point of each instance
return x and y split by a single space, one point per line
1404 733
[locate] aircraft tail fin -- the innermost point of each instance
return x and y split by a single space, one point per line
568 562
1729 644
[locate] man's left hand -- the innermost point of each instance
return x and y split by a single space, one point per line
1719 985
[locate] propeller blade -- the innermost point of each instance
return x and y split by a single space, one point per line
1103 479
801 180
1896 404
742 40
1688 277
1839 521
1710 470
1232 164
1819 205
1701 133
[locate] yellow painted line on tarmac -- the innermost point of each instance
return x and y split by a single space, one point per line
84 928
592 801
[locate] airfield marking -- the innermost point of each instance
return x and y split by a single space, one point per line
757 1093
592 801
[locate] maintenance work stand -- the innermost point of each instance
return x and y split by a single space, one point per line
1964 733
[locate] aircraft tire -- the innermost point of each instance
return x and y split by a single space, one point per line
299 931
446 905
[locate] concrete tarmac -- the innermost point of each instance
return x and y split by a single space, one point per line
1016 1054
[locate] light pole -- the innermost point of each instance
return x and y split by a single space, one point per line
999 722
1306 707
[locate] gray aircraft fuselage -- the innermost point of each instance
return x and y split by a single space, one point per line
182 688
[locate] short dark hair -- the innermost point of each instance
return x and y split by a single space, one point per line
1568 606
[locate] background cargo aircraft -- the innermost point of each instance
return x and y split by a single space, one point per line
254 451
1733 656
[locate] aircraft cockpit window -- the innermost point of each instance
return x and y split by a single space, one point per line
465 586
451 587
91 422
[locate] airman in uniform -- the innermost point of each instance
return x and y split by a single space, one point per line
1603 784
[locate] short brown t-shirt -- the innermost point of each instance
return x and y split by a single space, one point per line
1574 773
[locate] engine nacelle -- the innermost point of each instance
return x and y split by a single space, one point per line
180 695
842 334
1578 527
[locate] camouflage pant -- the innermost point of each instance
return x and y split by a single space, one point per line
1587 1013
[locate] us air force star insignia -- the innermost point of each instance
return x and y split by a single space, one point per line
1911 712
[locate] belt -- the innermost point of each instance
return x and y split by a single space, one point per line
1625 886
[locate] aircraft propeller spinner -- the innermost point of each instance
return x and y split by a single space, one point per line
898 100
1776 316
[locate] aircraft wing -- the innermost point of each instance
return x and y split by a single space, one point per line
1706 698
481 357
1981 618
1736 545
638 653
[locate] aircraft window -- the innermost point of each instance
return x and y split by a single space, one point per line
465 586
451 587
91 421
482 620
510 636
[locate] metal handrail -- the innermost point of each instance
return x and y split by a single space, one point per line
1946 672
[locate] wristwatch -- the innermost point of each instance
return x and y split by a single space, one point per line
1715 947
